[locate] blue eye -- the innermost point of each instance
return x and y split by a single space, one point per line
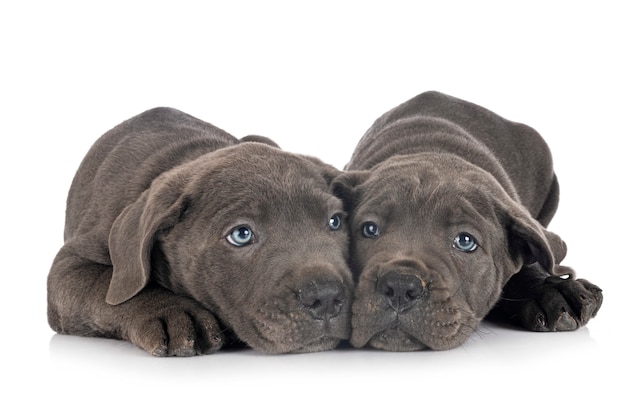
240 236
370 229
465 242
335 222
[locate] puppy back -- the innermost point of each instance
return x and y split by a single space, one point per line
125 160
512 152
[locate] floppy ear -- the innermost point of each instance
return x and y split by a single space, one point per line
328 172
344 186
133 233
259 139
535 243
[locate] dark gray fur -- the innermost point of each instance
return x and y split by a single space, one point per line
146 256
431 169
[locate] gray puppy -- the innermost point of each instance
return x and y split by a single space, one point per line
448 205
180 238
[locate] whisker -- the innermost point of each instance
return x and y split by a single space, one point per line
515 299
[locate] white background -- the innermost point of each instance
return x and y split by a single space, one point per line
312 77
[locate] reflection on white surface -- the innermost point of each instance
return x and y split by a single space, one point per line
526 368
500 343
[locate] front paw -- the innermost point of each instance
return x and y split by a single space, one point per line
561 305
182 328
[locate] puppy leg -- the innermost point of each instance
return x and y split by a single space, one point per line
544 303
156 320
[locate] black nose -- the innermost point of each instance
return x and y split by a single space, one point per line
400 291
323 299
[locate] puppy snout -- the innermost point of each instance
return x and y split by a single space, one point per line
400 291
322 299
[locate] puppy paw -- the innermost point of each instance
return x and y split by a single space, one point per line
561 305
182 329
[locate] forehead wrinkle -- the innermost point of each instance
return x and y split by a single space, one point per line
436 199
388 189
258 195
465 205
293 202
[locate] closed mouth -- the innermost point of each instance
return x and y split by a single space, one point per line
437 327
396 339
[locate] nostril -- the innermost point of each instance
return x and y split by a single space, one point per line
323 300
386 289
400 291
416 292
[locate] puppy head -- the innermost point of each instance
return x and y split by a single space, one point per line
255 235
434 240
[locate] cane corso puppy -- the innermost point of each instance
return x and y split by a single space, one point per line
448 207
180 239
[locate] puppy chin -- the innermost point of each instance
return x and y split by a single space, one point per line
395 340
295 337
328 337
323 344
320 344
389 338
